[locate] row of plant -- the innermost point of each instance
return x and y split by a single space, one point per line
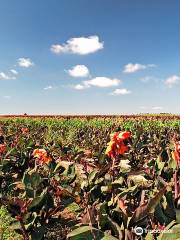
97 185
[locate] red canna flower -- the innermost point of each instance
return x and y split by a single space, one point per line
24 130
117 146
41 155
2 148
176 152
124 135
177 145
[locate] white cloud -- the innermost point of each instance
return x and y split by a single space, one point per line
80 87
79 45
98 82
4 76
102 82
120 91
79 71
14 71
25 62
172 80
48 88
152 108
7 97
147 79
130 67
157 108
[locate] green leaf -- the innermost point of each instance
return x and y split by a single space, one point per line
26 179
29 192
178 215
32 180
108 237
149 236
107 223
92 176
49 201
15 225
35 180
59 168
84 232
118 181
105 189
139 180
160 165
89 233
172 162
143 210
124 166
160 216
29 219
129 190
172 233
38 233
65 165
38 202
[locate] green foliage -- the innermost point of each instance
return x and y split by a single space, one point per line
6 232
74 179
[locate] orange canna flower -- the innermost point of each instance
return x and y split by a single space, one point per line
2 148
41 155
24 130
117 146
177 145
176 152
124 135
110 147
122 148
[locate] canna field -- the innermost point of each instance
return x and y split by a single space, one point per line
90 177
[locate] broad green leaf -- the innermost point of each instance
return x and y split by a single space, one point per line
139 180
38 233
149 236
129 190
172 233
160 216
35 180
143 210
89 233
178 215
105 189
92 176
172 162
84 232
124 166
160 165
38 202
107 223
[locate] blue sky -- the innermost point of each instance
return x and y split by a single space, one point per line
89 56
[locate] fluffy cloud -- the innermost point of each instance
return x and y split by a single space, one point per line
79 71
25 62
120 91
172 80
151 108
14 71
48 87
4 76
80 46
102 82
80 87
147 79
130 67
